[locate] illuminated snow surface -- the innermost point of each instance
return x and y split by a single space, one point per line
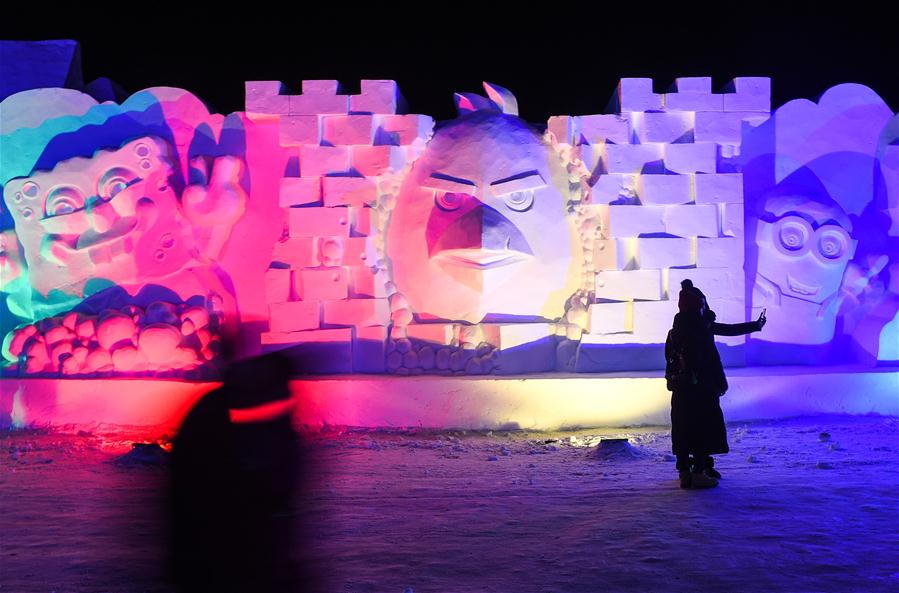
805 505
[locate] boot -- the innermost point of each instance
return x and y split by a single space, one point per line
684 463
700 480
710 468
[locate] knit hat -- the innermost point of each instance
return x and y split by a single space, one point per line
690 298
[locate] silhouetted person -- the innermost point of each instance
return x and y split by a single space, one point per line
235 464
696 379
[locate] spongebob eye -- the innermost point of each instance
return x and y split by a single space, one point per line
114 181
520 201
449 200
64 200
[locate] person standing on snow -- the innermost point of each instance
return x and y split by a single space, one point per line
696 379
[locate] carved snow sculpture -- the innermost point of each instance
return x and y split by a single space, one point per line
481 225
112 203
816 180
804 244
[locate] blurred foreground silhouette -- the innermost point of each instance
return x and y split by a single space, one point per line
236 466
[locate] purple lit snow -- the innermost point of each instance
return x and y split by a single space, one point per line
805 505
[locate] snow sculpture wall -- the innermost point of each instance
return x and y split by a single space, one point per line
360 239
821 186
327 285
664 183
122 218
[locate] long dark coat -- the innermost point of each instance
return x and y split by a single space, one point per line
697 423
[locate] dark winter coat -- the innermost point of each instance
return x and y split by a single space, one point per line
697 423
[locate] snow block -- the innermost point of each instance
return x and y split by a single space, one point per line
347 129
356 312
652 320
360 222
691 220
613 186
633 220
635 94
698 157
689 101
294 130
693 94
629 285
319 97
372 161
526 348
277 285
376 96
294 316
732 221
664 189
365 283
601 213
324 284
605 255
347 251
607 339
266 97
369 349
748 94
664 252
611 318
434 333
316 221
721 283
724 252
626 252
720 187
349 191
722 127
634 158
299 191
320 351
514 335
401 130
594 129
316 161
298 252
360 251
664 127
594 158
618 352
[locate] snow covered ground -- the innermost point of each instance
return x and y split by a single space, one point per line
805 505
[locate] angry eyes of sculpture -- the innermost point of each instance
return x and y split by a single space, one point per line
519 201
795 236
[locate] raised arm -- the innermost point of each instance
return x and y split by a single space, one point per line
735 329
739 329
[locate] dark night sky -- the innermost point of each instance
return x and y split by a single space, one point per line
566 60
